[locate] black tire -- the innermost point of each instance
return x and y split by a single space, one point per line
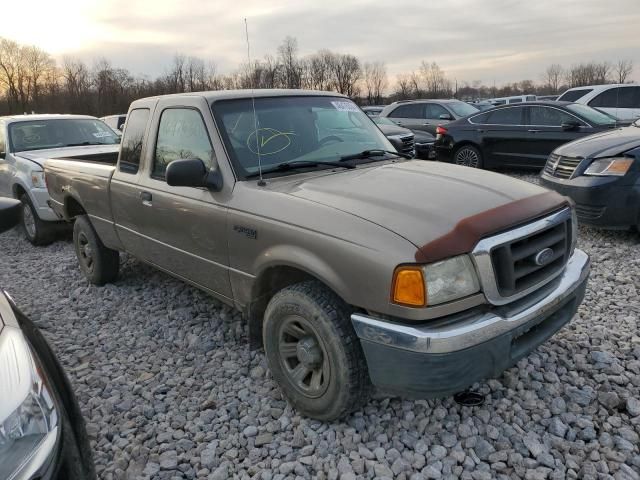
37 231
307 328
468 156
98 263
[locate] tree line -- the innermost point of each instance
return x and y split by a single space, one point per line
31 80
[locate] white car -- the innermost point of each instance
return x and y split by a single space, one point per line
27 141
620 100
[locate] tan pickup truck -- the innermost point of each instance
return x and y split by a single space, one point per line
354 267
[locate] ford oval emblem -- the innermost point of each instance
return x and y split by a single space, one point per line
543 257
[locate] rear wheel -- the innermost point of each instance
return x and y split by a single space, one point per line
38 232
98 263
314 353
468 156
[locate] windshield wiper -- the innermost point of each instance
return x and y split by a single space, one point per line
294 164
373 153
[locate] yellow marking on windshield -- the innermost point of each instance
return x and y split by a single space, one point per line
272 141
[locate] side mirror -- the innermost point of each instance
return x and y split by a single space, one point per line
570 125
192 172
10 210
445 116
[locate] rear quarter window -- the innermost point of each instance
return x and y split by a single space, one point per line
415 110
573 95
132 140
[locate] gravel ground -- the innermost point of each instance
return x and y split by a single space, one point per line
170 389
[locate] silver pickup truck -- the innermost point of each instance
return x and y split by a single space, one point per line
354 267
26 141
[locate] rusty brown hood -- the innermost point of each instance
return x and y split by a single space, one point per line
442 209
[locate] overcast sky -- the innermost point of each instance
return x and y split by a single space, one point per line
489 40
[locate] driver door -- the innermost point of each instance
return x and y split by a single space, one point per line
183 230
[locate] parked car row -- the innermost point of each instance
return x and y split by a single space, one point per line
521 135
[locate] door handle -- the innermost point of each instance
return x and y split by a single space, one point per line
399 123
146 198
426 123
534 131
480 130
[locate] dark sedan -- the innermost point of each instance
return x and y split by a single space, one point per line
521 135
42 433
601 173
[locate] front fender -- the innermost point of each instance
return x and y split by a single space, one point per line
302 259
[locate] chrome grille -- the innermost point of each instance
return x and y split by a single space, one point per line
508 263
408 145
560 166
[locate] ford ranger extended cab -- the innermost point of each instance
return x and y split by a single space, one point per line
26 141
354 267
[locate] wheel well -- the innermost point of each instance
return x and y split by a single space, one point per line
465 143
73 208
18 191
268 283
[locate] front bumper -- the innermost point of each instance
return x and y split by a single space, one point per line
425 151
40 198
448 355
606 202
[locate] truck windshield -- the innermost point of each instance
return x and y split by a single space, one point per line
313 128
60 132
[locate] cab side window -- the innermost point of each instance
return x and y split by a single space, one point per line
131 146
414 110
621 97
434 110
505 116
549 117
182 134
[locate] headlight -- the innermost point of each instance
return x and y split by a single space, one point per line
604 167
29 420
37 179
435 283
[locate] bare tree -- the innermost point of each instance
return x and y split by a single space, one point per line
435 80
346 72
553 76
623 70
288 56
403 87
375 80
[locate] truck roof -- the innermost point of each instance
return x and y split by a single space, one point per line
43 116
213 95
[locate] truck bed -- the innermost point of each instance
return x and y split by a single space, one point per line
86 180
109 158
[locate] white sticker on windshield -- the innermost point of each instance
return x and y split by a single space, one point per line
345 106
101 134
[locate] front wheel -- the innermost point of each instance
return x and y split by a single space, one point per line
468 156
98 263
37 231
313 352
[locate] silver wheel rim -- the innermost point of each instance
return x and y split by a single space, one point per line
467 157
28 221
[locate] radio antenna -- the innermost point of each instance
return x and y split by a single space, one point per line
261 182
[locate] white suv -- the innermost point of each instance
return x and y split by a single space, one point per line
620 100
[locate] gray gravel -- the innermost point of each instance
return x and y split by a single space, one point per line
170 390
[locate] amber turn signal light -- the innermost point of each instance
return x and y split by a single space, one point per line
408 287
